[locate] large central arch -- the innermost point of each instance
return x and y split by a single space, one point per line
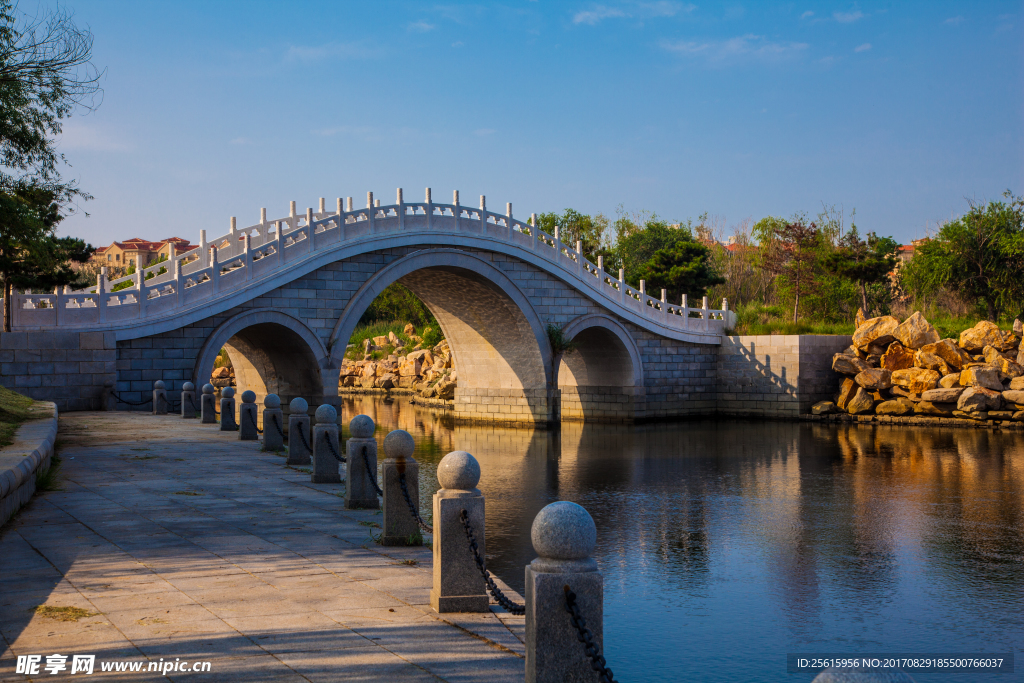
499 345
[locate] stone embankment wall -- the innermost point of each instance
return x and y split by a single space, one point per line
67 368
776 375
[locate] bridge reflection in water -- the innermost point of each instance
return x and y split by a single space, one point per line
726 544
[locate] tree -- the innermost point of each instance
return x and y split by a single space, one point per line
863 261
637 248
683 268
980 256
574 226
798 259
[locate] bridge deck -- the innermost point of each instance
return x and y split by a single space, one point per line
187 543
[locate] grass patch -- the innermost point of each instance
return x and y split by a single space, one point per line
62 613
49 479
757 319
431 335
13 411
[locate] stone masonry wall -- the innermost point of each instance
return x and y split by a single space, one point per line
67 368
776 375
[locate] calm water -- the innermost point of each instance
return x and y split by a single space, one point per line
726 544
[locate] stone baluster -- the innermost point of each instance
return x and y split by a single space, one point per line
400 526
533 229
246 248
188 400
483 214
458 586
140 284
101 290
310 230
361 465
622 286
348 204
564 537
233 234
108 401
339 211
430 210
725 311
179 292
455 202
291 215
600 268
401 210
323 207
159 398
298 433
370 211
248 417
704 308
273 423
208 406
325 445
686 314
643 291
214 270
203 250
508 219
579 259
227 410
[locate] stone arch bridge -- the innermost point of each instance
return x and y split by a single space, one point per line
284 295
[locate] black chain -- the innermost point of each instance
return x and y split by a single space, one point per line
277 427
330 446
305 443
253 421
510 606
131 403
372 475
412 508
597 661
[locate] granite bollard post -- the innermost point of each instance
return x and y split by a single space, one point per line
227 410
273 423
108 401
298 433
563 536
458 586
325 446
400 526
188 400
361 465
248 414
159 397
208 406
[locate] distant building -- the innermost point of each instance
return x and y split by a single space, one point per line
138 252
906 251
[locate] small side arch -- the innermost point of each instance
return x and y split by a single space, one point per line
602 380
271 352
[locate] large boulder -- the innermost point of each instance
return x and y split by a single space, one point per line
979 400
1017 384
930 361
916 380
874 379
981 376
387 381
846 392
880 331
445 390
936 409
950 380
1007 367
410 367
848 365
948 351
1018 328
942 395
992 354
981 335
862 402
897 357
915 332
1010 340
897 407
1013 396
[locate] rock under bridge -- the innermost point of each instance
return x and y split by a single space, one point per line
284 295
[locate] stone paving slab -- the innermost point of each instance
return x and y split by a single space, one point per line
179 541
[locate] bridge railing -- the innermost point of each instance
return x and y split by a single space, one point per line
240 257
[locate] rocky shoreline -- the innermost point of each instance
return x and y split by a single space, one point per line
903 373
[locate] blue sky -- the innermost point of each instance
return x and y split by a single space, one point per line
898 110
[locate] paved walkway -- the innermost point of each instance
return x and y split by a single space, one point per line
181 542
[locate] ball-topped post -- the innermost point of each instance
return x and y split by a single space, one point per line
159 398
326 446
400 469
299 448
273 423
227 410
564 536
208 406
248 417
361 465
188 400
458 585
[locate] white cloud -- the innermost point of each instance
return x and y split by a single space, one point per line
954 21
862 48
76 135
848 17
660 8
421 27
748 47
597 14
318 53
807 15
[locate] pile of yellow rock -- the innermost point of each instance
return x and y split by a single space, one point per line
900 369
426 372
